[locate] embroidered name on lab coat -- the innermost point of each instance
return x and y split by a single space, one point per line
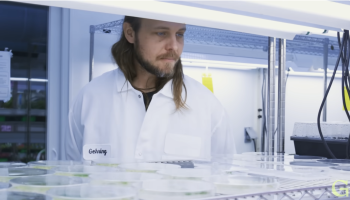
96 151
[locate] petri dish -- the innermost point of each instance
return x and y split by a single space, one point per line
341 171
313 164
92 192
186 173
13 195
82 170
340 162
307 158
40 184
6 174
4 186
147 167
245 184
12 164
175 189
107 162
133 179
49 164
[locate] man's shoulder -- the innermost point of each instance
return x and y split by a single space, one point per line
99 83
196 87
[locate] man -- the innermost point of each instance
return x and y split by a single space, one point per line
147 110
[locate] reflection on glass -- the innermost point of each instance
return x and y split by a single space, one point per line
23 116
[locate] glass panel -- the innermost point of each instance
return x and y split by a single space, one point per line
23 117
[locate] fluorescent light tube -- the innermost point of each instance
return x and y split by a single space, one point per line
314 74
18 79
217 65
187 14
320 12
37 80
221 64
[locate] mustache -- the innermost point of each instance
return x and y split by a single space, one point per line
171 54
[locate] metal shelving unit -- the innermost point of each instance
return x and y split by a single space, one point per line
307 45
292 189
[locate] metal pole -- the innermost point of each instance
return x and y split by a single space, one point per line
281 95
325 67
271 95
263 103
92 44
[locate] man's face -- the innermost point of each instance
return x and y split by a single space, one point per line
158 46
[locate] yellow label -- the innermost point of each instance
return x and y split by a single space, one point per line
207 81
347 100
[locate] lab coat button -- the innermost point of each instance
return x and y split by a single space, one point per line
139 96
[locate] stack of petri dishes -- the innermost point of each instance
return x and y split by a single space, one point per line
175 190
82 170
13 195
4 186
186 173
41 184
85 192
6 174
242 184
12 164
133 179
47 164
146 167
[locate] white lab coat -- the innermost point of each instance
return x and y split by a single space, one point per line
109 111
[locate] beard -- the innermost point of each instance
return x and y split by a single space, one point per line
166 72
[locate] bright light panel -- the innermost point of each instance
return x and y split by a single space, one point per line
189 15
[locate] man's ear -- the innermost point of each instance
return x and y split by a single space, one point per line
129 32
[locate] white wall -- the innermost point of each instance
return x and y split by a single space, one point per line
236 90
303 99
80 22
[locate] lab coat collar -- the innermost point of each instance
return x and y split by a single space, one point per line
124 85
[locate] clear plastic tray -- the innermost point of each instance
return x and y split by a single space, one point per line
49 164
6 174
340 162
40 184
93 192
12 164
175 190
12 195
133 179
82 170
226 184
147 167
186 173
4 186
297 172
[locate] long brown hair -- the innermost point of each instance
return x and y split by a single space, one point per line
123 54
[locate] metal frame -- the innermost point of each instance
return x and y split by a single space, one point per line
271 95
300 45
281 95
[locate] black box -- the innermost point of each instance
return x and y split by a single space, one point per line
315 147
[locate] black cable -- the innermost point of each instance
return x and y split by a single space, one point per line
344 84
341 45
254 145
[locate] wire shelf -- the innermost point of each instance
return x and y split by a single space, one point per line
293 190
209 36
